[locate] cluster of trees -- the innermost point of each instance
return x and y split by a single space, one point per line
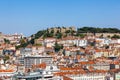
116 36
23 43
57 35
81 35
38 34
97 30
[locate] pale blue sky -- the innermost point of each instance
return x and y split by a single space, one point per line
30 16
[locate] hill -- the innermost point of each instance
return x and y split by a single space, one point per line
60 32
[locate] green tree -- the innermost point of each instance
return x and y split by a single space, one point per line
57 47
31 41
81 35
108 36
67 31
52 31
58 35
72 32
40 33
7 41
22 41
6 58
115 36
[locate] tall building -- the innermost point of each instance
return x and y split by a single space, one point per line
37 59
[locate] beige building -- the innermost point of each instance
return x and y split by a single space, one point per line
61 29
107 34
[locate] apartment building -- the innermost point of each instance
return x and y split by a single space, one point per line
35 60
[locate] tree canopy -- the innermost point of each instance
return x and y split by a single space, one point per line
57 47
97 30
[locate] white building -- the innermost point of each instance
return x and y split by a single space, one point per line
37 59
49 42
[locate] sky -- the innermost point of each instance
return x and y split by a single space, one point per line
30 16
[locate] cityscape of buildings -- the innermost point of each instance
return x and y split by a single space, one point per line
59 39
92 57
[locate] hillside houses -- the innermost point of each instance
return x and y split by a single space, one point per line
72 55
11 38
72 41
